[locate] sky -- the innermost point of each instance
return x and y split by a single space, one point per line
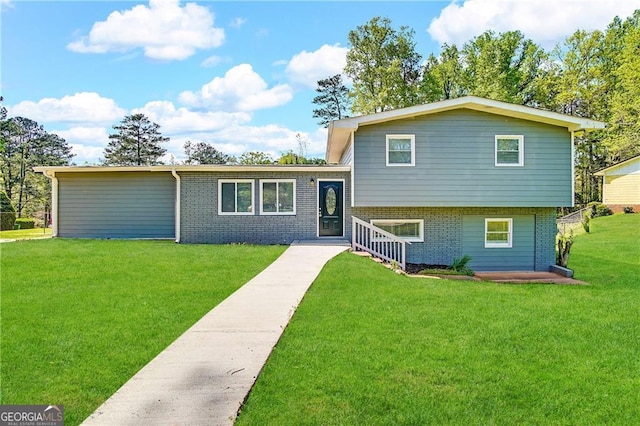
240 75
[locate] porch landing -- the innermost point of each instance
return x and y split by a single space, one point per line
527 277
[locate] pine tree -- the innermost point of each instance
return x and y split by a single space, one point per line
332 99
136 143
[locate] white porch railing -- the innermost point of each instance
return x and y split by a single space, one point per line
378 242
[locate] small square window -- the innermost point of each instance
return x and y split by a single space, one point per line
235 197
498 233
401 150
509 150
278 197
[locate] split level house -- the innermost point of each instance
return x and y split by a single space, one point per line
424 184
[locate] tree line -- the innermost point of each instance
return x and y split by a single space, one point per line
593 74
25 144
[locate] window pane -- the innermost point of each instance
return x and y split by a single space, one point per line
508 144
399 157
244 197
285 197
508 158
400 145
498 237
269 198
407 230
401 229
497 226
229 197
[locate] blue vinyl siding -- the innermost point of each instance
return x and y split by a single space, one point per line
116 205
455 164
519 257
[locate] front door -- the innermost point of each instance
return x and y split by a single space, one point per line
330 209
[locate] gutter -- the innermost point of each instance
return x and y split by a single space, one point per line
54 201
177 210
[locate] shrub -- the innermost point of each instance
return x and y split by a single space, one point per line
7 213
565 241
628 209
26 222
598 209
586 219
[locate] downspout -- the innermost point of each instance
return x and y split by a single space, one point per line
177 213
573 170
353 162
54 201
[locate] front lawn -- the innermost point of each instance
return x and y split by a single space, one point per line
20 234
368 346
80 317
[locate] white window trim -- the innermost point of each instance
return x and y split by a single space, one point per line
236 181
520 162
413 150
509 243
277 181
418 239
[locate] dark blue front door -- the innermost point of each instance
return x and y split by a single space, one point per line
330 209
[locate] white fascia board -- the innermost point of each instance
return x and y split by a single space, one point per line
280 168
606 171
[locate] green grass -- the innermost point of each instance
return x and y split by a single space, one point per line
370 347
20 234
80 317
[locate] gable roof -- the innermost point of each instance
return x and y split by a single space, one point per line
623 163
340 130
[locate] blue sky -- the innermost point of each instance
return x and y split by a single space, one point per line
238 74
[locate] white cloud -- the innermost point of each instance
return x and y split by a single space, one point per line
546 22
238 22
179 120
165 30
212 61
83 107
86 135
241 89
307 68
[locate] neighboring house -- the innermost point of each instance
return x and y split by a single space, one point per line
462 176
621 185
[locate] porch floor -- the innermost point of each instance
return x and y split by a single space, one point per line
524 277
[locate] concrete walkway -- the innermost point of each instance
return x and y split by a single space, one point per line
205 375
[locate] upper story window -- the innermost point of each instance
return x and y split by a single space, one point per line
278 196
498 233
401 150
235 197
509 150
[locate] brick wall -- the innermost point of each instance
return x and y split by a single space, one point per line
443 230
201 223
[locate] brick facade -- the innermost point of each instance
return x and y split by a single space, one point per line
201 223
443 230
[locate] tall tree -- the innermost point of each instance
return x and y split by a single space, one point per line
205 153
622 56
443 76
581 92
136 143
332 99
255 157
505 66
384 67
25 144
